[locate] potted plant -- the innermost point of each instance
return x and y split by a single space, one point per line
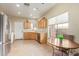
60 37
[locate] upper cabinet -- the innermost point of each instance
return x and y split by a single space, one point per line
42 23
27 24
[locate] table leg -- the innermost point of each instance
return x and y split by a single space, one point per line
62 53
53 51
68 52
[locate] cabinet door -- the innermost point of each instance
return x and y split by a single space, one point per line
27 24
43 37
42 23
30 35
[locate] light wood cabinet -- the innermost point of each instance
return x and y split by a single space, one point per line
42 38
27 24
30 35
42 23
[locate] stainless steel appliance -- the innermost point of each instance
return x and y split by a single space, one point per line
5 41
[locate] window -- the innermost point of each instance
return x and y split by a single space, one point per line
58 25
62 28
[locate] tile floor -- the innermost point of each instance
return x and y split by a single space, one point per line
29 48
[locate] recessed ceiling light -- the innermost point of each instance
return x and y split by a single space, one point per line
31 15
34 9
19 13
17 5
2 13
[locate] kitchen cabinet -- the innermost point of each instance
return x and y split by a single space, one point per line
38 37
42 38
27 24
30 35
42 23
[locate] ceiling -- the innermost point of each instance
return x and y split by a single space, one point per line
30 10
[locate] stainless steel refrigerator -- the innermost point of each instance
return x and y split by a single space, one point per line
5 42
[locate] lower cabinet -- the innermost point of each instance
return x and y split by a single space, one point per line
30 35
42 38
39 37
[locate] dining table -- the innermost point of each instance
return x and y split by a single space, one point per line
66 45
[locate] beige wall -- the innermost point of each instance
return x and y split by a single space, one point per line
14 19
73 10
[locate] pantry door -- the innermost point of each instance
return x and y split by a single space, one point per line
19 30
